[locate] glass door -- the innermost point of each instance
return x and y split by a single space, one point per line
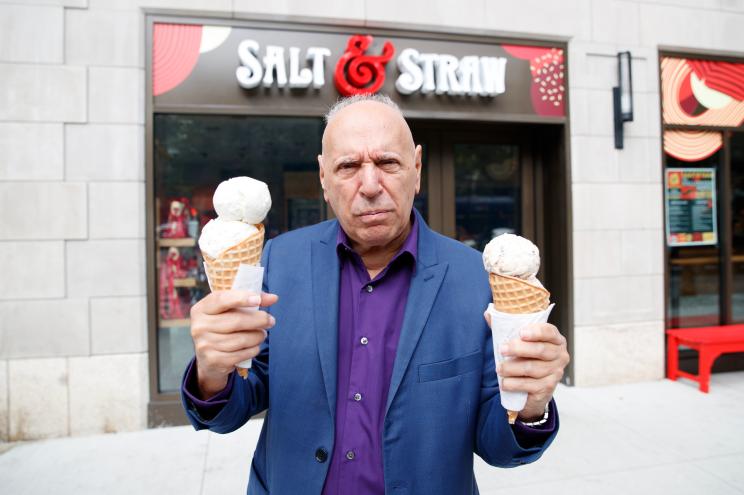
480 181
488 191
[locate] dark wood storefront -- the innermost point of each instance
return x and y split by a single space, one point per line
485 159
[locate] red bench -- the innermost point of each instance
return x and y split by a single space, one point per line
710 342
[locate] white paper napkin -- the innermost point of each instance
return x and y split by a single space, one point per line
505 327
250 278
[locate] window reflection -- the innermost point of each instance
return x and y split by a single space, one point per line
694 271
487 192
192 155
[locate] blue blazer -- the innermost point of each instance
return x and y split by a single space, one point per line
443 403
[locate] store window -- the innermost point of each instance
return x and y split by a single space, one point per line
703 118
192 155
694 262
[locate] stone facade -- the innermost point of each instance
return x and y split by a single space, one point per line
73 338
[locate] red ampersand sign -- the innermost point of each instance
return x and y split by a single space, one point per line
365 73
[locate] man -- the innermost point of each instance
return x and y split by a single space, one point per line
378 372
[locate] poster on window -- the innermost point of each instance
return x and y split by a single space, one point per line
691 207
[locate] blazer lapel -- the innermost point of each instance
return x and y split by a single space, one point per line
325 283
425 285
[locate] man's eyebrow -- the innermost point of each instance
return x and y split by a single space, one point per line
347 159
384 155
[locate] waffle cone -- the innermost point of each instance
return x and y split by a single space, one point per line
516 296
221 271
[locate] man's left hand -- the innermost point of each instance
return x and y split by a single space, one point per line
539 356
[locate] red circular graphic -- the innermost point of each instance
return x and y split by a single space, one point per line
357 73
175 51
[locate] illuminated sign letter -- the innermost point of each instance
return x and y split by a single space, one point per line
317 54
250 72
411 76
298 78
274 60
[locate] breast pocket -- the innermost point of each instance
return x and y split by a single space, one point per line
451 367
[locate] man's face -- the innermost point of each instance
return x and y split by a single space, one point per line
370 171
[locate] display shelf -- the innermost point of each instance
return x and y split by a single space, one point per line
181 242
180 322
184 282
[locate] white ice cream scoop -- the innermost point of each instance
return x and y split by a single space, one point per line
242 199
219 235
512 255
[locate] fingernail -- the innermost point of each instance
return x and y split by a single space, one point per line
526 332
272 320
253 300
499 367
504 348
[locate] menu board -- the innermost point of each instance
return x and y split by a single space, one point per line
690 195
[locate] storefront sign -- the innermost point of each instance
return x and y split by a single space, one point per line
445 74
358 72
691 207
253 69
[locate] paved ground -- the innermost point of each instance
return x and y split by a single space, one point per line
649 438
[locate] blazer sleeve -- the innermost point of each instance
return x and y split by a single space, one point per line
246 397
496 442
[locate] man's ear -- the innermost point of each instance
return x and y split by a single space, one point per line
321 175
417 156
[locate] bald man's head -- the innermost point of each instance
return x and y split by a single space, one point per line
370 170
344 103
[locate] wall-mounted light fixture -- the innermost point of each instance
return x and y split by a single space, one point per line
622 96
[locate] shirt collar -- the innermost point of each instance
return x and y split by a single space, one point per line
410 245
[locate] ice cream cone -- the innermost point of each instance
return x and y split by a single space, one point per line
517 296
221 270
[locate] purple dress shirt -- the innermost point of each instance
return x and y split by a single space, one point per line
370 316
369 323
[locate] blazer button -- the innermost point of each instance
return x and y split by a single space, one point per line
321 455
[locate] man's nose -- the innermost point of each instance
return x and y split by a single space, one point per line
370 177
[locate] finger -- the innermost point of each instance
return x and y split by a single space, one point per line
542 332
536 350
531 368
237 320
238 341
224 362
224 300
543 387
267 299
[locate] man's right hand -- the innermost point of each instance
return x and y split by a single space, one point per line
226 332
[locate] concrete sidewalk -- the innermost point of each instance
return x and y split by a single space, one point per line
649 438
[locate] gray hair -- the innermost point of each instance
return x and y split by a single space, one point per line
350 100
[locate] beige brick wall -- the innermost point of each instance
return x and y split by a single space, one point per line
72 113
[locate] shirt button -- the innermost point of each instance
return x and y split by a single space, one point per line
321 455
357 396
350 455
364 340
369 288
